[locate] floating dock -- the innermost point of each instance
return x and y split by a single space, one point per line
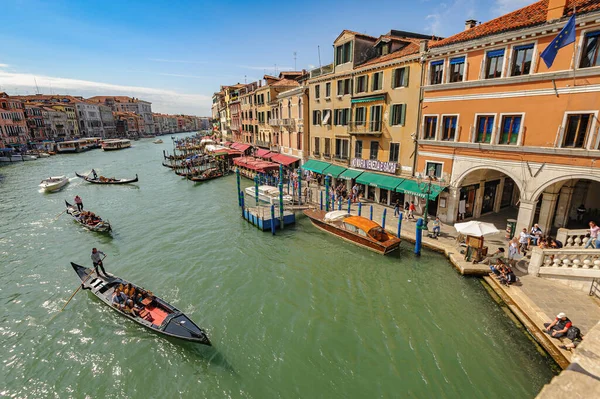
262 217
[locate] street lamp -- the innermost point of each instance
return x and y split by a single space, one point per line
425 184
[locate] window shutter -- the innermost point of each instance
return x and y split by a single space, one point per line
366 83
403 115
405 78
394 79
392 113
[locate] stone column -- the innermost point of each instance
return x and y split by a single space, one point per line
547 211
526 213
479 200
451 210
564 204
499 194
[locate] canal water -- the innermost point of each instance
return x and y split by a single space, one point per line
298 315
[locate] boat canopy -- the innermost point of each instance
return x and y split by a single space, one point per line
335 215
361 223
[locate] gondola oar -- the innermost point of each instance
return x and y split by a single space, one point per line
57 216
77 290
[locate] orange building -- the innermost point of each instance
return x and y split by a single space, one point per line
503 129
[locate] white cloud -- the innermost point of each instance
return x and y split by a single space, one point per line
502 7
163 100
3 65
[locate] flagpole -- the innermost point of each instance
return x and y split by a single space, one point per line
574 48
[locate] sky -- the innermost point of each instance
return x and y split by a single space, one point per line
177 53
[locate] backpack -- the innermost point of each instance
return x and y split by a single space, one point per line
573 333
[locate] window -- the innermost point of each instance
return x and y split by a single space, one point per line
327 151
511 126
344 87
343 53
522 56
316 117
317 92
394 152
485 125
434 169
493 64
341 149
589 56
400 77
341 117
436 72
578 127
449 128
328 90
358 147
374 150
361 84
430 127
377 82
457 69
398 114
317 143
359 118
327 117
375 123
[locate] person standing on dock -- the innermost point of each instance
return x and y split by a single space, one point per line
79 203
97 261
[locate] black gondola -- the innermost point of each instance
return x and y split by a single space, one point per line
107 180
157 315
100 227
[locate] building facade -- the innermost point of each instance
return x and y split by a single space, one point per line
56 124
13 128
293 133
503 129
108 121
35 122
129 104
90 121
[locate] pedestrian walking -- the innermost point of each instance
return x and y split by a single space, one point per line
97 261
411 210
397 208
79 203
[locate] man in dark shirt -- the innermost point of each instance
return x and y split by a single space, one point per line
559 326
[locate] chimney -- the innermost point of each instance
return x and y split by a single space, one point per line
423 46
556 9
470 23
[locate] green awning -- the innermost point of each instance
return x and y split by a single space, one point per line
377 180
350 174
367 99
315 166
411 187
334 171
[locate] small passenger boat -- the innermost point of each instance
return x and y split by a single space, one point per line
29 157
98 225
268 194
355 229
115 144
207 175
156 314
54 183
158 141
107 180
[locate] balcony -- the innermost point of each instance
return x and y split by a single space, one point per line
288 122
374 128
274 122
324 70
265 144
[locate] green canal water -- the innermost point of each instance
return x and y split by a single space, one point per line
298 315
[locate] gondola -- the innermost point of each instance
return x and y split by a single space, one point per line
207 175
107 180
100 227
156 314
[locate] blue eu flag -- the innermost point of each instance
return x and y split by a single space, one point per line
565 37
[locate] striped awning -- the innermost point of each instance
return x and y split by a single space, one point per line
367 99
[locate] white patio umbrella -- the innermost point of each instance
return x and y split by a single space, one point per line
475 228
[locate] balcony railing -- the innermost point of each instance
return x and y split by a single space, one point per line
366 128
324 70
274 122
265 144
288 122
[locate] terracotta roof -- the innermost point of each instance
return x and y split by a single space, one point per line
410 49
531 15
285 82
355 34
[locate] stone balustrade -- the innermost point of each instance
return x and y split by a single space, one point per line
572 238
575 266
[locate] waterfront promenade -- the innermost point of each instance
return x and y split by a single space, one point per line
533 300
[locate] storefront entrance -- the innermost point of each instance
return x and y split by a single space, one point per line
466 204
489 196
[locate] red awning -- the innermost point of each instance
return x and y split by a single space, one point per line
240 146
261 153
255 164
284 159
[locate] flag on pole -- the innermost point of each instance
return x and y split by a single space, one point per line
565 37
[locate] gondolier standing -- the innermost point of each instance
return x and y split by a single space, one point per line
97 261
79 203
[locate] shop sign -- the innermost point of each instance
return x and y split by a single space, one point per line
387 167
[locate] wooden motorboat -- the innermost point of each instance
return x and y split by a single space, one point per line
54 183
153 313
107 180
158 141
99 226
268 194
355 229
115 144
207 175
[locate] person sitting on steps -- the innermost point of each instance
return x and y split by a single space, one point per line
559 326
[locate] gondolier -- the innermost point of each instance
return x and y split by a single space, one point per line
94 174
79 203
97 261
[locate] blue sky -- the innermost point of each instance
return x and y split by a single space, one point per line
177 53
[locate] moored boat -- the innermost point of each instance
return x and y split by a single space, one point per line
54 183
158 141
95 224
107 180
207 175
115 144
355 229
268 194
29 157
154 313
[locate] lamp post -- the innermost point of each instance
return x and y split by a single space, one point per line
425 184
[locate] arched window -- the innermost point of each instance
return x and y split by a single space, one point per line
300 108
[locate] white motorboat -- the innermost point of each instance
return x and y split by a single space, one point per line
268 194
54 183
27 157
16 157
158 141
43 155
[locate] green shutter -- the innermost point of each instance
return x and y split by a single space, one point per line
403 115
393 79
392 114
366 83
405 80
